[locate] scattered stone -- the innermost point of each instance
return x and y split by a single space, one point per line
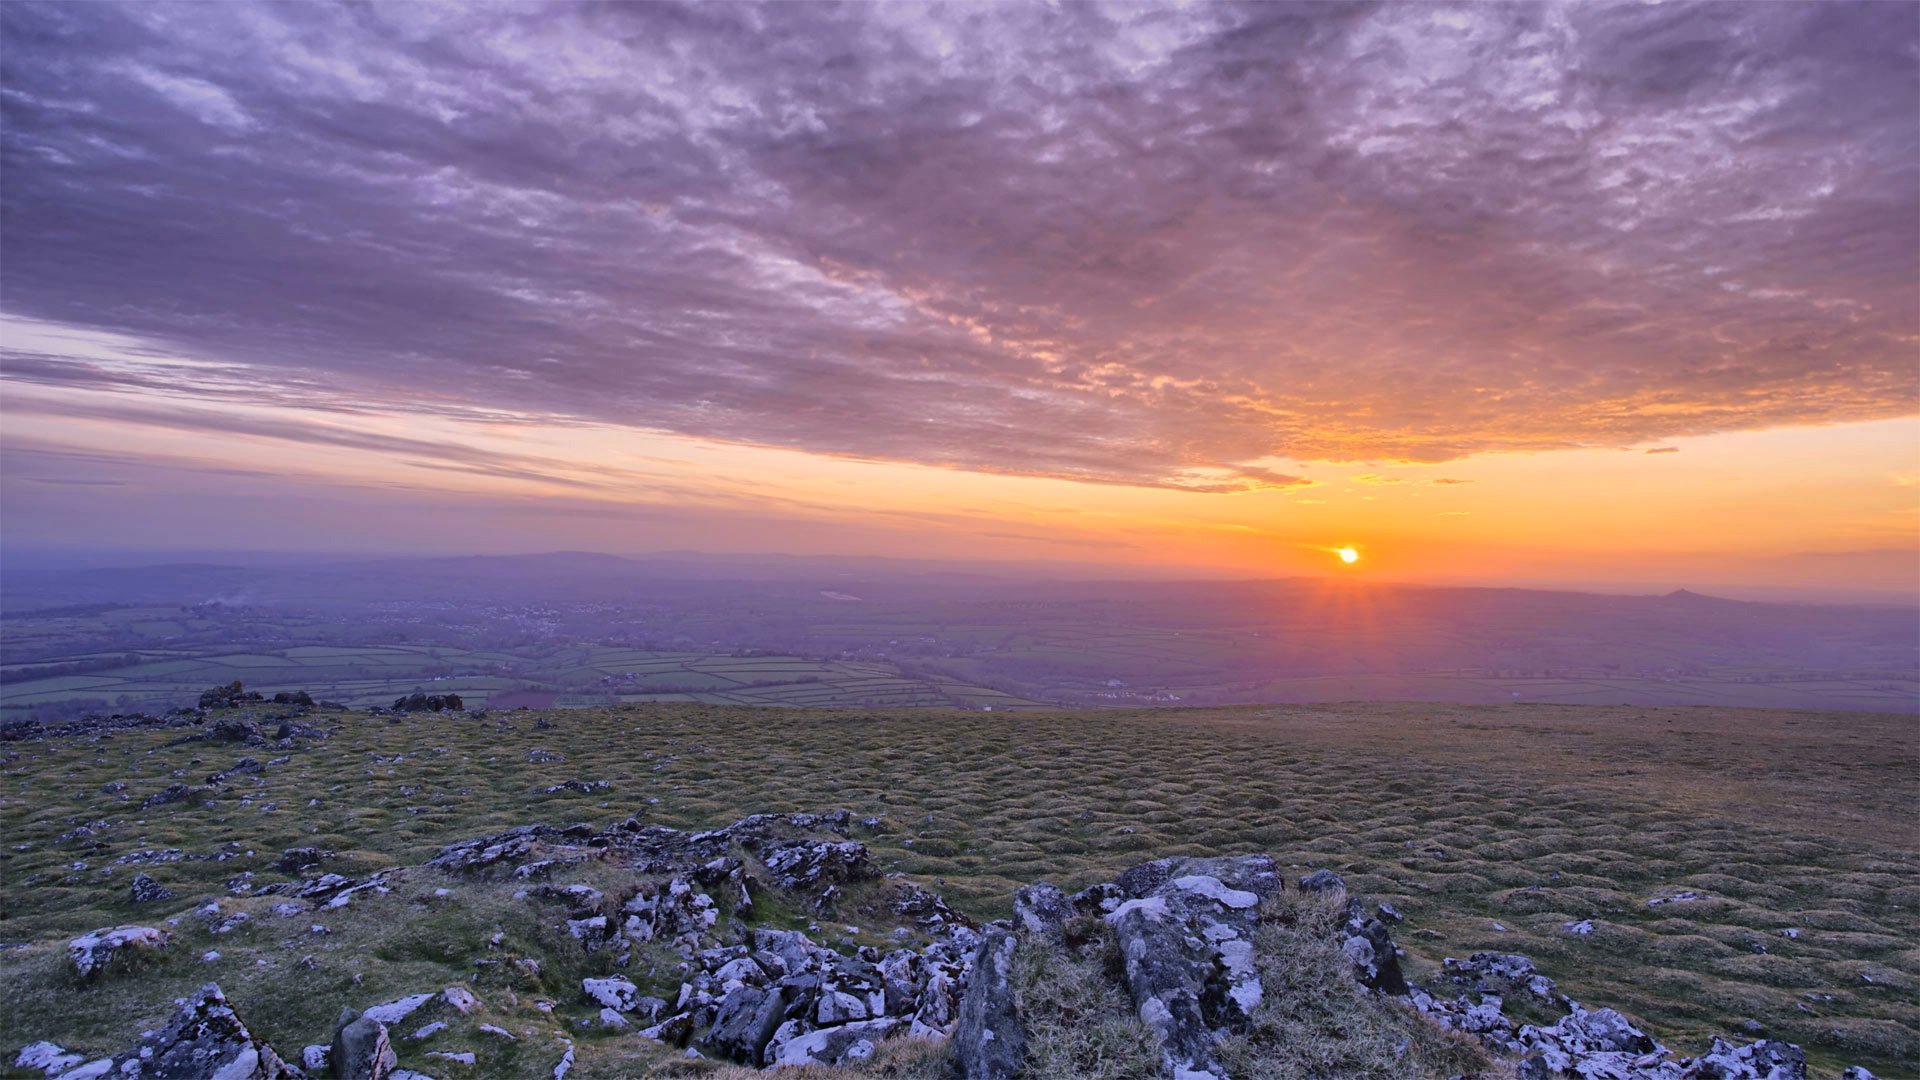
428 1031
458 1057
1578 929
585 787
460 998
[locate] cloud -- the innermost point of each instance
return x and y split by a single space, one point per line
1377 480
1664 450
1134 246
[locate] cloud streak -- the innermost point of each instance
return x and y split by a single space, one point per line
1136 245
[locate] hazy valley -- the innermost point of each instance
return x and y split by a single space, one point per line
585 630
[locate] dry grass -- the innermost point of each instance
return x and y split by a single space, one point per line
1462 816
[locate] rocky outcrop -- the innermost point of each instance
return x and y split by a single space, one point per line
1186 931
205 1039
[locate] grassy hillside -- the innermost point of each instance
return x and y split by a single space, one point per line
1489 827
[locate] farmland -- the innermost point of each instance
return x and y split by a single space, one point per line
576 630
154 679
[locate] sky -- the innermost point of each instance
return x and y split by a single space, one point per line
1573 293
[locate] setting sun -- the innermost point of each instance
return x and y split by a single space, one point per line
1347 555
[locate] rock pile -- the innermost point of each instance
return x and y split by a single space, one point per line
755 996
1583 1043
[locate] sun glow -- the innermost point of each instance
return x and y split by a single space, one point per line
1347 555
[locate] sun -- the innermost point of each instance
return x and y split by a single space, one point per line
1347 555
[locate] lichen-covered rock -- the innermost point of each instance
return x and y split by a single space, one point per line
990 1042
1168 967
1041 908
93 952
615 993
1369 945
205 1039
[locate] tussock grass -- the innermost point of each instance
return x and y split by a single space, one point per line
1315 1023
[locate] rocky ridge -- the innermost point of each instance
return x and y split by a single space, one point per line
764 996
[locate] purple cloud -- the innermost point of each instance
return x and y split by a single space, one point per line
1137 246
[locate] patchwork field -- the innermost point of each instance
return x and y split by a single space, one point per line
155 679
1490 827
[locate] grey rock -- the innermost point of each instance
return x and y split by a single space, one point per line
294 860
392 1012
1323 882
204 1039
1167 970
50 1058
1767 1059
361 1049
1368 944
145 890
844 1045
674 1029
1042 908
93 952
990 1042
745 1022
615 993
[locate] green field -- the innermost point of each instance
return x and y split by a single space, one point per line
1489 826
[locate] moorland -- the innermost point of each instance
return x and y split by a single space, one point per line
1780 846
